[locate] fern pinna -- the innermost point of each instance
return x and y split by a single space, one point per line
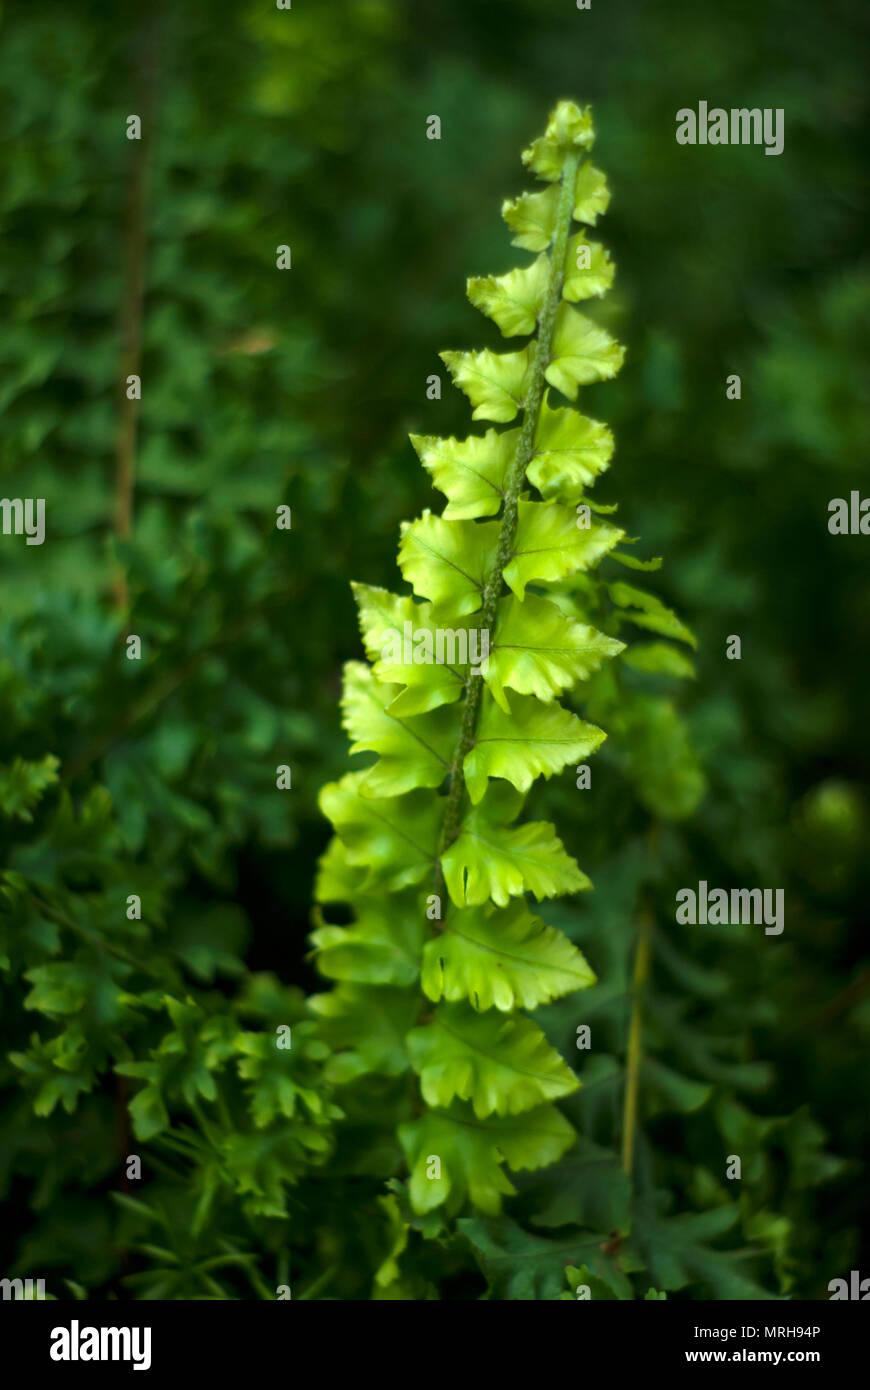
460 705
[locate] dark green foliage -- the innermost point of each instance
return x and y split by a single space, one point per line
261 389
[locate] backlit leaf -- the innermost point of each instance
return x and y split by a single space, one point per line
448 562
471 1152
570 130
513 301
582 353
589 271
570 452
492 860
501 1065
532 740
591 195
494 382
394 839
470 472
539 650
503 958
549 545
414 751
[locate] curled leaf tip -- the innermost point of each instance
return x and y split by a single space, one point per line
570 130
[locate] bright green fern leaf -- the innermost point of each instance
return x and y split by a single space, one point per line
470 1151
503 958
531 740
493 860
470 472
501 1065
495 383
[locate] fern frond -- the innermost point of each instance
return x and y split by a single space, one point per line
428 856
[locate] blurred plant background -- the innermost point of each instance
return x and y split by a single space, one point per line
264 388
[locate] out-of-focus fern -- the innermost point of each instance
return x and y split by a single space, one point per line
157 777
232 1109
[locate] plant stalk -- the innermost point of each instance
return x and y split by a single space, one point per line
634 1057
515 479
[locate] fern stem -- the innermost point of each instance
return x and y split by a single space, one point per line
515 479
635 1040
